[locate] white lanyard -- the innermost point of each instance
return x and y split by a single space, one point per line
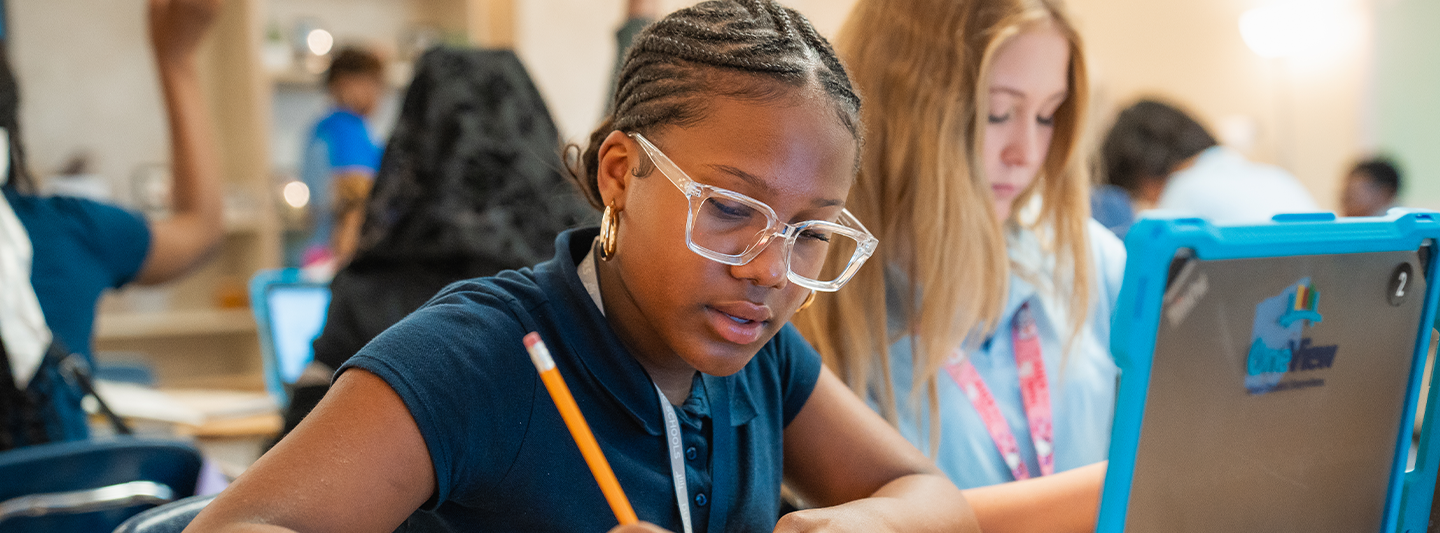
677 460
586 272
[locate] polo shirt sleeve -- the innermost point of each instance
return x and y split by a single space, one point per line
118 239
348 143
460 367
799 370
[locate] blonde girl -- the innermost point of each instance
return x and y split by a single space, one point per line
984 335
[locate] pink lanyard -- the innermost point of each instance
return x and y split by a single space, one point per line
1034 393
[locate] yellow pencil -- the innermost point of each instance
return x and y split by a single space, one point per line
590 449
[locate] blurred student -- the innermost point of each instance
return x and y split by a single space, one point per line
994 280
58 254
341 157
1166 160
1371 188
453 200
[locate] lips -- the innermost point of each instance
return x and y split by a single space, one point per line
1004 190
739 322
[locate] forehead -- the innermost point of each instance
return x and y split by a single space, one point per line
795 144
1034 63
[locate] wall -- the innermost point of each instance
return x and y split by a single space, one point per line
569 48
87 83
1310 116
1307 112
1407 93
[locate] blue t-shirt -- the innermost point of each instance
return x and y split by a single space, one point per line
503 458
340 142
81 248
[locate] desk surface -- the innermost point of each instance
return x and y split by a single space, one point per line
264 425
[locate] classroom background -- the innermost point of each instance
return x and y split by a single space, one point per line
1308 85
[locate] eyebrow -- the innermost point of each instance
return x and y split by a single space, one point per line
1017 93
760 183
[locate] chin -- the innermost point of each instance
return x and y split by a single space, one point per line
718 357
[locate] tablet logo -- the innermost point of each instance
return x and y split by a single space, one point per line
1279 348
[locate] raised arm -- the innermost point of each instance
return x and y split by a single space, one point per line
839 453
356 464
196 227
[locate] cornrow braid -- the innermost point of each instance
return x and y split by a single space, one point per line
730 48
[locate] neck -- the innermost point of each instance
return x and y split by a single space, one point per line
669 372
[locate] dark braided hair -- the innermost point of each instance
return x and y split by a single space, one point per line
749 49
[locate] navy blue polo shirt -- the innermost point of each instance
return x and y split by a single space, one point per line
503 458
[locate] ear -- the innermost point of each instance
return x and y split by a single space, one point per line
618 154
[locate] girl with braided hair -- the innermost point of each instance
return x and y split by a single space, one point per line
722 172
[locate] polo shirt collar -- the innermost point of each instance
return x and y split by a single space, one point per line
611 367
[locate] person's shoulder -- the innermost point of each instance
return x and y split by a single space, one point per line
1105 247
338 119
470 328
1283 188
340 115
502 299
1108 256
71 206
508 288
85 219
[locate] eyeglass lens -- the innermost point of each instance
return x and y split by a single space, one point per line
730 227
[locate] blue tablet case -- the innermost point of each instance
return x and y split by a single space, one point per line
1269 376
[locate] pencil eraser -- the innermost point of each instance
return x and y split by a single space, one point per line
538 353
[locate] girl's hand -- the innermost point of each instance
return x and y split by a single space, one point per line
642 527
177 26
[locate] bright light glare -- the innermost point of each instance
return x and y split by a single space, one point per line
1288 28
296 194
319 41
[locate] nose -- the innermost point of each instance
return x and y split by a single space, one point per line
769 269
1021 144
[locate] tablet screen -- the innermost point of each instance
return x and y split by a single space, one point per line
297 313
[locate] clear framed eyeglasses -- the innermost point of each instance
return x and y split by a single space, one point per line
731 228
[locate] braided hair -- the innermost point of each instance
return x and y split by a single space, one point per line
749 49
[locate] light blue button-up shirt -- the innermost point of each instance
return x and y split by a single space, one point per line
1082 396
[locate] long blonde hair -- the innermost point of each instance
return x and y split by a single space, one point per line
922 67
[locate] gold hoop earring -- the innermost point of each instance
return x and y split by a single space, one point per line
609 223
808 300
